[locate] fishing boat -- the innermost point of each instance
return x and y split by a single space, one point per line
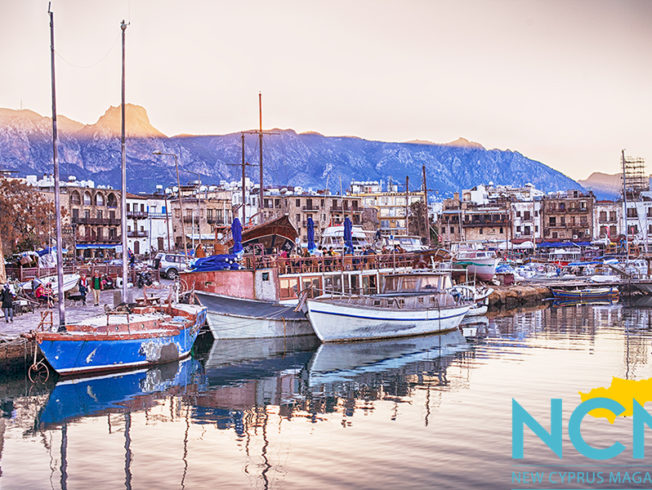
479 264
411 304
141 336
586 294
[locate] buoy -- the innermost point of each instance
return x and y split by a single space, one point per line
118 282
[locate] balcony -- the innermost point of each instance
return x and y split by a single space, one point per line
136 214
191 219
313 208
95 238
217 221
95 221
137 234
485 221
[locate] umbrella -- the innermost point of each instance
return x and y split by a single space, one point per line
311 234
348 235
236 232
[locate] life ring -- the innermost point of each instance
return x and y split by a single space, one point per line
118 282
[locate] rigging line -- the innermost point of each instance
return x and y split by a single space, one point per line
92 65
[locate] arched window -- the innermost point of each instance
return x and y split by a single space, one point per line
99 199
87 198
75 198
112 201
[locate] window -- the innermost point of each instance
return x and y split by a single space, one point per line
526 215
481 231
518 229
501 230
452 230
552 221
99 214
298 203
563 221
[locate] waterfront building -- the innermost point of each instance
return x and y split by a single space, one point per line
568 216
147 223
607 219
393 206
324 208
207 214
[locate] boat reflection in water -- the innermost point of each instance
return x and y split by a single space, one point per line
348 361
120 392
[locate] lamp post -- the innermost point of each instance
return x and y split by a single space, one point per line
176 164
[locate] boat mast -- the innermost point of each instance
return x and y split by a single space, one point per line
123 217
622 159
260 144
425 210
244 206
57 191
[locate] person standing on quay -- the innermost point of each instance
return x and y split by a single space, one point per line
7 304
96 286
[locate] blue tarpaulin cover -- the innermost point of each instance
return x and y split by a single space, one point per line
222 262
236 232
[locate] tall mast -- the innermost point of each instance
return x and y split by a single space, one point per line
57 191
123 217
260 144
622 160
244 206
425 197
407 203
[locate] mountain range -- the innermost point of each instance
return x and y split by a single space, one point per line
307 159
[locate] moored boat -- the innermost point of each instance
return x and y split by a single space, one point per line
585 294
144 335
480 264
411 304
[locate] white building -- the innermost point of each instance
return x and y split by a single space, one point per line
147 224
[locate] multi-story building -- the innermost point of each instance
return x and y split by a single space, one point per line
607 219
567 215
148 223
487 222
525 218
95 217
324 209
393 206
207 213
638 224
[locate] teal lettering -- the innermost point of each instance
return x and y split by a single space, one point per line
575 429
552 439
641 419
516 477
614 477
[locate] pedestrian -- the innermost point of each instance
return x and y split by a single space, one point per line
83 287
96 287
7 304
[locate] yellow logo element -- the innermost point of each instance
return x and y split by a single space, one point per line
624 391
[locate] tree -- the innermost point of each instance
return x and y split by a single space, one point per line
26 216
417 222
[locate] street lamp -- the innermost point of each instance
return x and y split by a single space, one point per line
176 164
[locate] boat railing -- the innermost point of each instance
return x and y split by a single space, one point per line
301 265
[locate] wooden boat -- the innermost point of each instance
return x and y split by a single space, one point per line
411 304
145 335
585 294
276 234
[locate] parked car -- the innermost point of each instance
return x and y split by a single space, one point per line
169 265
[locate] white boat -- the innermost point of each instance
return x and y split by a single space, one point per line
480 264
69 282
408 243
238 318
333 237
409 305
478 295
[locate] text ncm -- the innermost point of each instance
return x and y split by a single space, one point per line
553 439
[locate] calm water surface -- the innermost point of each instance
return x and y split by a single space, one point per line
428 412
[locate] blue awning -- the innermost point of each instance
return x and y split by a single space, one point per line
84 246
563 244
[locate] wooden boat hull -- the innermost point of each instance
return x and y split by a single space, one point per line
337 322
236 318
87 352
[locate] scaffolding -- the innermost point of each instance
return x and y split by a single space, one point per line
634 178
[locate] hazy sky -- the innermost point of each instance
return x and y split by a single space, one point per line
565 82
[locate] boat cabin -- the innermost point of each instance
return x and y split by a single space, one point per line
429 282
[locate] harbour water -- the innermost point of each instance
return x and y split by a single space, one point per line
427 412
